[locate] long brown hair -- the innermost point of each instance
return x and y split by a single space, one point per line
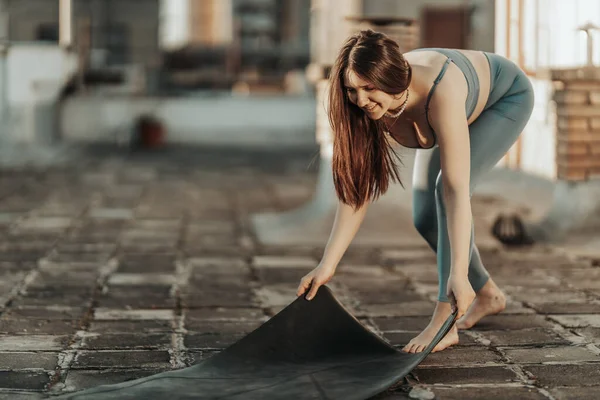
363 161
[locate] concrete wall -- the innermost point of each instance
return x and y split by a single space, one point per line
27 15
30 90
253 121
24 70
482 21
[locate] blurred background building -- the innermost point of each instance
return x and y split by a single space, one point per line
247 71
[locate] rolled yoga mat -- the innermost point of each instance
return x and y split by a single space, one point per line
310 350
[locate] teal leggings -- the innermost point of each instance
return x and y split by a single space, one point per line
493 133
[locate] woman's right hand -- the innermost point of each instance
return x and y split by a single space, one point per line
314 279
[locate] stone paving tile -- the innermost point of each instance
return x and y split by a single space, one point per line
210 341
49 294
362 270
44 223
567 308
578 321
127 341
524 337
111 213
225 314
551 355
461 357
385 295
273 276
150 247
61 277
275 295
135 263
148 279
81 248
48 312
569 393
511 322
417 272
261 262
401 309
141 314
28 360
147 268
582 278
135 299
532 279
216 264
79 379
29 380
38 326
488 393
125 326
565 375
121 359
32 342
465 375
82 256
51 299
8 394
21 256
590 334
418 255
220 327
227 298
401 323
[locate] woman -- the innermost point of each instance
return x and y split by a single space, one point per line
463 110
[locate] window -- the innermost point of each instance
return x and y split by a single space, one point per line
543 34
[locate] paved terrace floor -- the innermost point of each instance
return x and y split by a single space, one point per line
108 269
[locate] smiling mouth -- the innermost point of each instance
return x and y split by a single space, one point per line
370 108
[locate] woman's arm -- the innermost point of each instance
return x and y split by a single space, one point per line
346 224
448 119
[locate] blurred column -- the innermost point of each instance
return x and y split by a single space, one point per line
3 69
65 23
211 22
174 23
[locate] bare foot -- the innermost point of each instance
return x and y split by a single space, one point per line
489 300
440 315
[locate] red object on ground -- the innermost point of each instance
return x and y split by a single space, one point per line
152 133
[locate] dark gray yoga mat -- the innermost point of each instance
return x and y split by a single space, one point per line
310 350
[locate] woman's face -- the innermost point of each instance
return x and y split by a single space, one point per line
372 101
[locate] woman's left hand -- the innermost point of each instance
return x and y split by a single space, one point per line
460 292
